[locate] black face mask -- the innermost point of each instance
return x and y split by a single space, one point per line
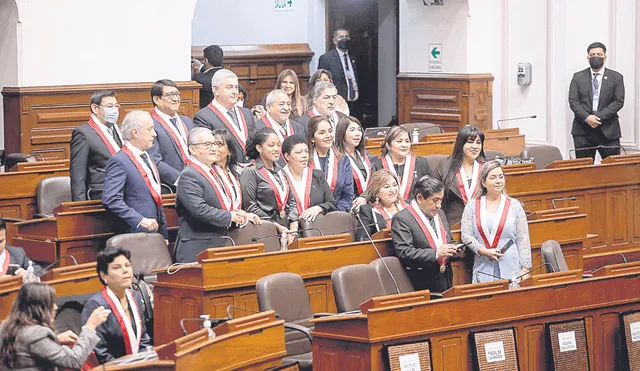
343 44
596 62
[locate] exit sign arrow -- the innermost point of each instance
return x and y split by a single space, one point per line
435 52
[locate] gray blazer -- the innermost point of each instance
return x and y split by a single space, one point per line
206 118
166 152
38 349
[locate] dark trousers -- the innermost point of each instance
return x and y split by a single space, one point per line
430 278
609 146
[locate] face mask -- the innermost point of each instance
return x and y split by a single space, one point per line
111 114
240 103
596 62
343 44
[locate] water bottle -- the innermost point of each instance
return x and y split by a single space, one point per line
30 268
283 241
415 136
525 153
207 324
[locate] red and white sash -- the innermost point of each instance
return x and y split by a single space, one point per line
491 239
437 237
385 213
332 167
406 181
175 134
111 144
467 191
241 136
361 180
5 264
232 187
207 173
302 194
131 339
288 127
281 193
155 193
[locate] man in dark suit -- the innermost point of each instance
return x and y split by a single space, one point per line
324 104
422 238
222 112
132 182
169 151
203 216
13 259
93 144
596 95
277 116
213 61
342 67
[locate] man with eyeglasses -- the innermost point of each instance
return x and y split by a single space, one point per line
169 152
324 104
596 95
93 144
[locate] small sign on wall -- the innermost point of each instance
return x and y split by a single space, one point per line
282 5
435 57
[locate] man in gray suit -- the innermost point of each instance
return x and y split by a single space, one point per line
93 144
222 112
202 215
596 95
169 151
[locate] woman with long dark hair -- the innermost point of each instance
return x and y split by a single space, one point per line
460 173
28 340
383 202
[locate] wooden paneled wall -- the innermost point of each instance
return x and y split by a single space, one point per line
449 100
40 119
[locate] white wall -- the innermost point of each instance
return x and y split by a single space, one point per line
246 22
8 52
387 45
492 36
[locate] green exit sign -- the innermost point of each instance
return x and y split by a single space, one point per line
282 4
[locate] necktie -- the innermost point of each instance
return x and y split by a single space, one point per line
114 134
432 222
352 92
595 83
234 118
145 158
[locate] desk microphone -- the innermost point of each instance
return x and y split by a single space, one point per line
515 279
514 118
535 269
45 269
229 316
257 239
596 147
357 228
607 263
378 253
202 319
491 275
233 243
553 201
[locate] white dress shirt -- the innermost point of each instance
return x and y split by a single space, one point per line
137 153
349 73
107 132
596 97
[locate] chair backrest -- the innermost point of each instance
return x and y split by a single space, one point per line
243 236
436 161
552 254
543 154
14 158
335 222
424 128
148 252
51 192
398 272
355 284
286 294
491 154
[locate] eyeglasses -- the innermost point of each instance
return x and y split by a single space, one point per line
117 105
175 95
209 145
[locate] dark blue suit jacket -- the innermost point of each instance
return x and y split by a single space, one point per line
111 345
343 193
166 152
126 196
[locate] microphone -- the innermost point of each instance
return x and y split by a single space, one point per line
609 261
553 201
203 318
596 147
491 275
379 255
513 119
535 269
233 243
257 239
45 269
229 316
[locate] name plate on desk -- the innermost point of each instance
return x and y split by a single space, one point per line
393 300
320 241
552 278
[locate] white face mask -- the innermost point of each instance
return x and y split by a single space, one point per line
240 103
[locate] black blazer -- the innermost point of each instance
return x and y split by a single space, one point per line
18 257
166 152
331 61
610 102
89 157
421 169
206 91
208 119
201 216
373 226
320 194
111 345
413 249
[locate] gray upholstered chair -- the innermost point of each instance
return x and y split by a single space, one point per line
543 154
335 222
552 254
436 161
424 128
355 284
50 193
148 252
245 236
491 154
398 272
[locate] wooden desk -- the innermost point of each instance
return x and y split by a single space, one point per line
77 228
355 342
609 194
67 281
18 188
210 287
508 141
254 343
